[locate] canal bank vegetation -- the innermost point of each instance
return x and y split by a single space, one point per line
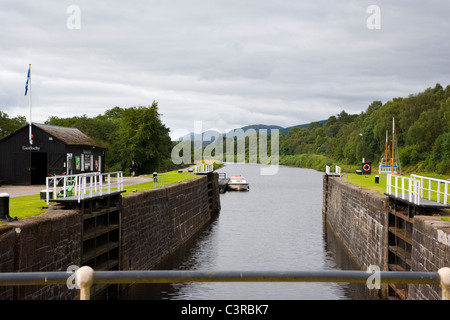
422 124
422 130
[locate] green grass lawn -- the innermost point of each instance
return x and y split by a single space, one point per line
368 182
168 177
27 206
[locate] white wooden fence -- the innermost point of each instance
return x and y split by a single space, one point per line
415 188
337 170
84 185
203 168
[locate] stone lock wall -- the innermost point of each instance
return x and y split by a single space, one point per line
359 218
48 242
156 222
153 223
430 252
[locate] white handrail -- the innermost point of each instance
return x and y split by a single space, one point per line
412 190
434 187
82 187
337 170
203 168
416 187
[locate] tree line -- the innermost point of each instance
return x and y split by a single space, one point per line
422 123
135 133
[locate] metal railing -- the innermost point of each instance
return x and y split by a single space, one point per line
84 185
432 188
387 169
203 168
85 277
416 187
403 187
337 170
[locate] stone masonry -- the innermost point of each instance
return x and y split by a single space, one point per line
48 242
153 224
430 252
359 217
156 222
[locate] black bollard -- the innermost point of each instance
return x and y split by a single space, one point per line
377 179
4 207
155 179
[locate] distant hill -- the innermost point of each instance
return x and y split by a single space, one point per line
301 126
207 136
256 128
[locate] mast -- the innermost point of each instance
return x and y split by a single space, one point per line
386 148
393 143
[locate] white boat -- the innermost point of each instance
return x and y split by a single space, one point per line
238 183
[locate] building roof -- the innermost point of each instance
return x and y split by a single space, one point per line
69 136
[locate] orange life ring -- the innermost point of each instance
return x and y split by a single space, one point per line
366 167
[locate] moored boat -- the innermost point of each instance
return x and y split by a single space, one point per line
390 161
238 183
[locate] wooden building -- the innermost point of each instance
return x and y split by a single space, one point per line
55 150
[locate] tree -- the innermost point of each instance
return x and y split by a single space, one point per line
425 130
374 106
142 137
8 126
129 134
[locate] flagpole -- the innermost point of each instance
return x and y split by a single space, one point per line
29 102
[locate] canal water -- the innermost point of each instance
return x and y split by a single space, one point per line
276 225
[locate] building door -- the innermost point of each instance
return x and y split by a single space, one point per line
21 168
56 163
38 167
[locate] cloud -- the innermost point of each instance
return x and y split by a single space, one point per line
226 63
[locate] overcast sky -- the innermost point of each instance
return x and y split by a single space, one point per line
226 63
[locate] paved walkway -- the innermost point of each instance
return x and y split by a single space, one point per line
17 191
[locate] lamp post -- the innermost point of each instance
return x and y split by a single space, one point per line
362 135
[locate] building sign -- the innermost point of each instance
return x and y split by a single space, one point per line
31 148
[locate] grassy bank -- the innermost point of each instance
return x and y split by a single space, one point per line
367 181
26 206
319 162
168 178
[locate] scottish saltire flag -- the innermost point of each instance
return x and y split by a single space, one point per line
28 79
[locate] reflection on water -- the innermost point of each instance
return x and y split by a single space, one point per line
277 225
